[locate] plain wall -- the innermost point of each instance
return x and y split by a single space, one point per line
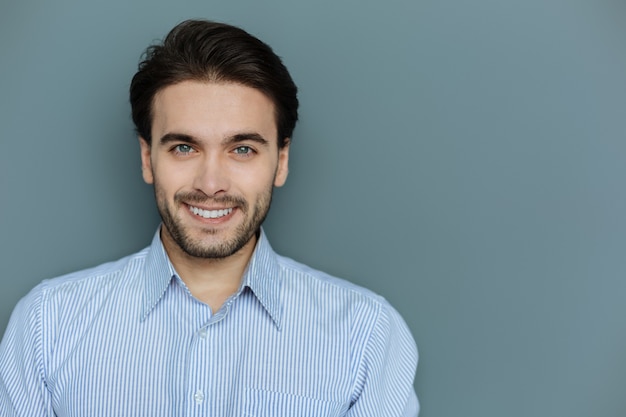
463 159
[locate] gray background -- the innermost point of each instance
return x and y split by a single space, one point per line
463 158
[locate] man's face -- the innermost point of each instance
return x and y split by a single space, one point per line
214 160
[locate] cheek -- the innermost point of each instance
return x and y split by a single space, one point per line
169 179
255 181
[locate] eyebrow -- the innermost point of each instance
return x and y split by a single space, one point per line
246 137
177 137
230 140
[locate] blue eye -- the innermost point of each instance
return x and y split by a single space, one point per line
243 150
183 149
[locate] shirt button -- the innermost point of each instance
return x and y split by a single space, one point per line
198 397
202 333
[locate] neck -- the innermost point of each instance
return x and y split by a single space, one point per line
211 280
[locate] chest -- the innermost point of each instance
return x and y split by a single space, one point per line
181 361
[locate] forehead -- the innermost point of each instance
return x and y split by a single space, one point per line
209 109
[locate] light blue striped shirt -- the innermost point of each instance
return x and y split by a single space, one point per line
127 338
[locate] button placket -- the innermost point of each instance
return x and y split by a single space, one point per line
199 387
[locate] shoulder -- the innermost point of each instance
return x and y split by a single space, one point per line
372 324
329 292
77 288
61 308
304 275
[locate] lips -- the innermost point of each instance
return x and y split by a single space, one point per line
210 214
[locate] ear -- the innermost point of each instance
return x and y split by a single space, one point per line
146 162
282 170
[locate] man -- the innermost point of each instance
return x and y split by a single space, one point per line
208 320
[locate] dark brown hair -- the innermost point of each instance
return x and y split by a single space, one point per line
208 51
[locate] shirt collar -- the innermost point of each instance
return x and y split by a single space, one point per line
262 276
158 272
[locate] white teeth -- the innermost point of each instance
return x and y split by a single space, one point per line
210 214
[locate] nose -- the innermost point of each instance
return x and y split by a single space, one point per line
211 175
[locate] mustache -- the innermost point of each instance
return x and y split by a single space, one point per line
198 197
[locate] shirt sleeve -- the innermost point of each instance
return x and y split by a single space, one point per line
385 381
23 391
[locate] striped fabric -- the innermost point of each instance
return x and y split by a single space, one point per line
128 339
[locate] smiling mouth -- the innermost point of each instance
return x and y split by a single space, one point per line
210 214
